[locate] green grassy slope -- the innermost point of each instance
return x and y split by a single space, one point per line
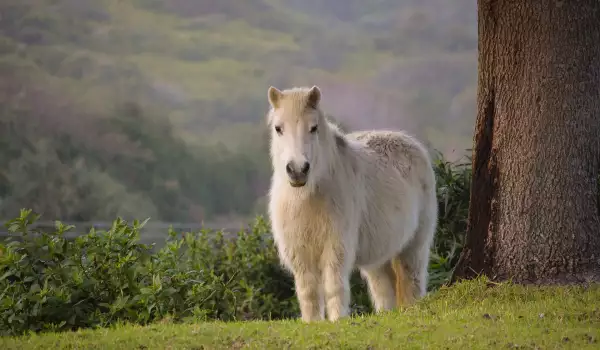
470 315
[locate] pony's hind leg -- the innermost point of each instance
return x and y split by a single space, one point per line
380 281
415 259
406 291
413 267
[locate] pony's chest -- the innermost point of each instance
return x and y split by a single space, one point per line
303 223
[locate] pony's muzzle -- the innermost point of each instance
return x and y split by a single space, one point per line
297 175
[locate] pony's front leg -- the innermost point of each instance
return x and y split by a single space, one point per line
309 295
336 276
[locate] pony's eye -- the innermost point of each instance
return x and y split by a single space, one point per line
313 129
278 129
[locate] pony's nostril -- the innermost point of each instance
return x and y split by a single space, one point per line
288 168
305 168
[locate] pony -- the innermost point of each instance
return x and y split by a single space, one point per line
340 201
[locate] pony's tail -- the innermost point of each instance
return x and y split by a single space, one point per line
404 286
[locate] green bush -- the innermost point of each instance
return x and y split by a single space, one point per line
453 190
51 282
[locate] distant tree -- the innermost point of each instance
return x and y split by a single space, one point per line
534 214
69 190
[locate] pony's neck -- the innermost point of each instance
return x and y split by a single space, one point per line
341 155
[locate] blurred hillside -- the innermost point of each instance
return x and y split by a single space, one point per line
156 107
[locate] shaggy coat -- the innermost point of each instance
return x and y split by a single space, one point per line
338 201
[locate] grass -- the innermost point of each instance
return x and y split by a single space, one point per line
470 315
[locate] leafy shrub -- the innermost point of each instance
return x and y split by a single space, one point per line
453 182
51 282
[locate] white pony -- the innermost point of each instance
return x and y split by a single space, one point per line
340 201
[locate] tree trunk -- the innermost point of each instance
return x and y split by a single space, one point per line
534 215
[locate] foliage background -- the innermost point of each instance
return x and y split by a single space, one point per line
155 108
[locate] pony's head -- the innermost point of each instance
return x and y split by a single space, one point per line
300 135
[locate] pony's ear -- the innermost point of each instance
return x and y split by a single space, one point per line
274 96
314 97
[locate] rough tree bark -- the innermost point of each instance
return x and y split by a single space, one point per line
534 215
